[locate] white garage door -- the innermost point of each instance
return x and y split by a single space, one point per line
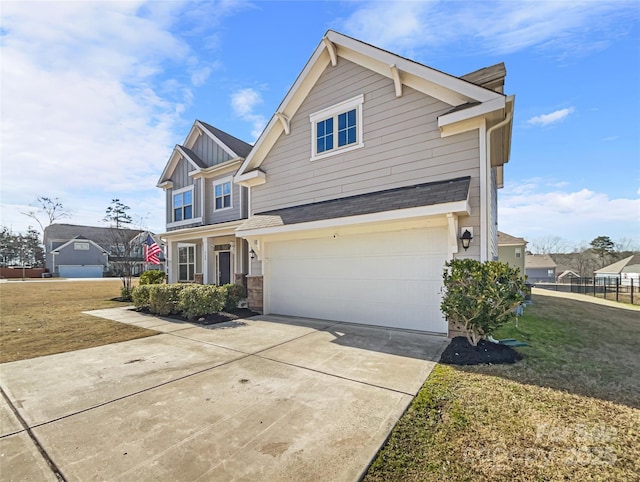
386 279
79 271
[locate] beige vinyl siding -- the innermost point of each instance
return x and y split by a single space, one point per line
209 151
402 145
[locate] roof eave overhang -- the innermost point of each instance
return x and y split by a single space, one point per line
251 178
222 229
221 168
447 88
436 210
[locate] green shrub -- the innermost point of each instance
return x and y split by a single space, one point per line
140 296
164 299
153 277
125 293
481 296
233 294
200 300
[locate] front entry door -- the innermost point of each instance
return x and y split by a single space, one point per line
224 268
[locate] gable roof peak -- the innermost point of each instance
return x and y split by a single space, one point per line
239 147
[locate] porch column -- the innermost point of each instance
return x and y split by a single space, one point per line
205 261
168 261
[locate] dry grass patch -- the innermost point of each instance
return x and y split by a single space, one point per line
46 317
568 411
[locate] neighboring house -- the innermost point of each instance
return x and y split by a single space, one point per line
363 181
204 207
76 251
540 268
566 275
512 250
626 270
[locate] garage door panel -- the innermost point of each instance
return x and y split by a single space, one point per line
386 279
80 271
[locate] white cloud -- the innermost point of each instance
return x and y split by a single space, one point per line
551 118
610 138
500 27
243 103
91 95
573 215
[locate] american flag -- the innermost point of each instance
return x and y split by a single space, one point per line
151 251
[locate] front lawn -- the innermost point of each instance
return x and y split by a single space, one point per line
569 411
46 317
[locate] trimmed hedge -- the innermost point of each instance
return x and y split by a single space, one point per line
164 299
233 294
189 300
153 277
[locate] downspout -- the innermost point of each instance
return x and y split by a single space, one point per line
487 205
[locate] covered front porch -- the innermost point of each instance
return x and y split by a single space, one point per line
207 254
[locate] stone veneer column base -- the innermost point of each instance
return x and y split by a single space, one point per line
241 279
255 293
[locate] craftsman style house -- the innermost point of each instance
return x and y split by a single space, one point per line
204 207
361 186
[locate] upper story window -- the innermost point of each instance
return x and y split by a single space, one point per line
81 246
518 252
337 129
222 194
183 204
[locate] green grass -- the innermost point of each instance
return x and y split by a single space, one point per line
44 318
568 411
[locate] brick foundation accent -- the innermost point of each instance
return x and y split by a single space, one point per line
198 278
254 293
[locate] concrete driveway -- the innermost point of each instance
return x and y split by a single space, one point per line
267 398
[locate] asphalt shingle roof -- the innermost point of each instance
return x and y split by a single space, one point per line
389 200
194 157
97 234
236 145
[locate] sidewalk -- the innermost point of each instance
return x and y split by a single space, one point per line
586 298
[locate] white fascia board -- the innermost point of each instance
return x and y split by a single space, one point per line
193 135
288 107
450 82
251 178
218 169
211 230
76 240
459 207
170 166
165 185
210 134
475 111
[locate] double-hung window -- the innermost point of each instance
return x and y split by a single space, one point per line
337 129
186 262
183 205
222 194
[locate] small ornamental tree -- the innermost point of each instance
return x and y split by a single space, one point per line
481 296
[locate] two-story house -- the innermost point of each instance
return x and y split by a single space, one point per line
363 182
77 251
204 207
511 250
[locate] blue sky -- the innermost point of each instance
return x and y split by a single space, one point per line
95 95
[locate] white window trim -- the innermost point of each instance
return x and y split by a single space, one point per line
195 259
193 206
344 106
218 182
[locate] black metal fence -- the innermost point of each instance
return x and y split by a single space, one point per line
607 288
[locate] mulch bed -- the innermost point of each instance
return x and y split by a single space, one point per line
212 319
461 352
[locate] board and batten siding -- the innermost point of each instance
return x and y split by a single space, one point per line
209 151
402 147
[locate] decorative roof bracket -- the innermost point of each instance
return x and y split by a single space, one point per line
284 120
331 48
395 75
